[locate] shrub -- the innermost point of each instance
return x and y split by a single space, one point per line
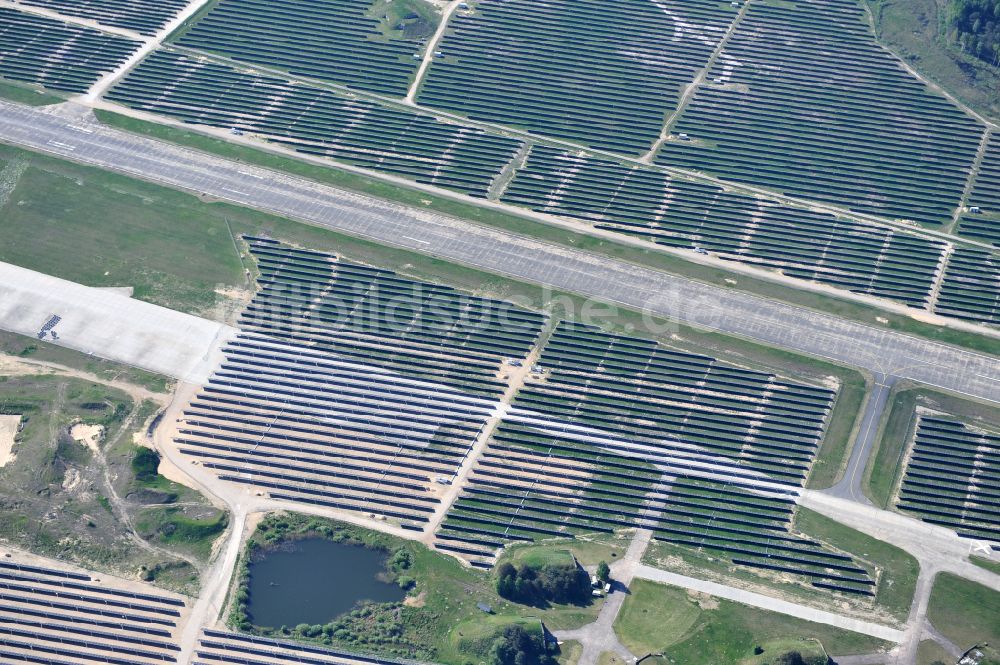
516 646
145 463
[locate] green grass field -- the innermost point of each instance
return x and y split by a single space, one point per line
899 570
24 94
696 629
831 460
965 612
885 467
528 227
930 652
557 551
987 564
910 29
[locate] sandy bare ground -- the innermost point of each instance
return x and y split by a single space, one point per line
8 430
88 435
120 290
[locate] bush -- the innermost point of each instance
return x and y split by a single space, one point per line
145 464
604 572
516 646
401 560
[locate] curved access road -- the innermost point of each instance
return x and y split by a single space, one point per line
881 351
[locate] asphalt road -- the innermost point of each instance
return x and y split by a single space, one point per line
709 307
849 486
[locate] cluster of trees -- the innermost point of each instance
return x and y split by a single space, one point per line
538 586
974 26
517 646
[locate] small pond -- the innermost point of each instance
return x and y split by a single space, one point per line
314 580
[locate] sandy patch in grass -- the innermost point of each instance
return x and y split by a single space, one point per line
88 435
705 601
71 480
416 601
120 290
10 366
8 430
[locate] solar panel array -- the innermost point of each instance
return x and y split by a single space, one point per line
604 74
146 17
49 615
810 105
334 40
44 51
646 202
317 122
970 288
621 432
985 195
223 648
351 387
952 477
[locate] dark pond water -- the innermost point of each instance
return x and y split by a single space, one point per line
314 580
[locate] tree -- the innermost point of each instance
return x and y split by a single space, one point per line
604 572
517 646
560 584
974 26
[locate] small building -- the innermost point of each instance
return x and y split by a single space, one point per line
485 608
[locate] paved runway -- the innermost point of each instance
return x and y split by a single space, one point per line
499 252
111 325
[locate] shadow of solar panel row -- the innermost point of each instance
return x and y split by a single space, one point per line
51 616
218 647
601 74
146 17
970 288
953 478
341 41
317 122
807 245
810 105
438 333
623 433
44 51
323 399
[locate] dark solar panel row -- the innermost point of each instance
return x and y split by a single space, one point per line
952 477
622 432
326 399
